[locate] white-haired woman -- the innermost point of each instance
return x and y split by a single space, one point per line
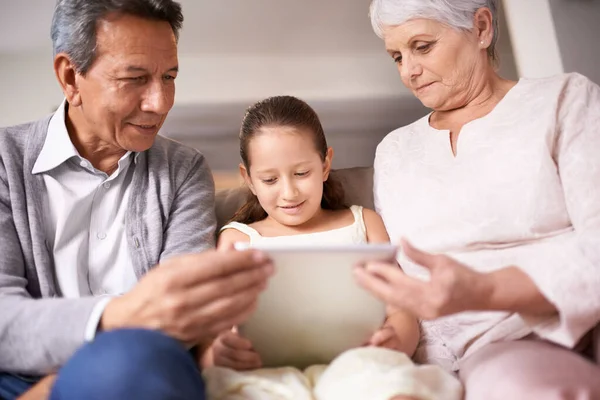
499 188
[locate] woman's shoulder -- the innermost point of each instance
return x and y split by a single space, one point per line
558 84
404 133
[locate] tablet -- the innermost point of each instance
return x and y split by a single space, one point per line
313 309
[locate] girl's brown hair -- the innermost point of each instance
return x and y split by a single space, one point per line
286 111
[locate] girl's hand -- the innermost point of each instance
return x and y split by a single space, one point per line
452 288
232 350
386 337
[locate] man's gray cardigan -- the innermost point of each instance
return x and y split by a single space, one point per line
170 211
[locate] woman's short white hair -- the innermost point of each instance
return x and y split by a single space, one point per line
457 14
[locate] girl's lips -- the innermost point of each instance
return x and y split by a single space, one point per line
292 209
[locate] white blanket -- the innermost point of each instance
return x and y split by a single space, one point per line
364 373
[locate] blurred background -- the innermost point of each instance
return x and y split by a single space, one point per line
235 52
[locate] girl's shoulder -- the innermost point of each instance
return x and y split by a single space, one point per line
235 232
374 226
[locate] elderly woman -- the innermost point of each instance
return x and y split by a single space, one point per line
499 188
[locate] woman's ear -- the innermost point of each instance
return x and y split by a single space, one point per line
483 25
67 79
327 163
246 176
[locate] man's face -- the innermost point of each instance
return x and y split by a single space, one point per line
130 87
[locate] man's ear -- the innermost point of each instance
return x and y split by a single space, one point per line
327 164
68 78
246 176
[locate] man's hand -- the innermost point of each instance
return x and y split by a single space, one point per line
193 297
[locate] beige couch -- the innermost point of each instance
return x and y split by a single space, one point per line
357 183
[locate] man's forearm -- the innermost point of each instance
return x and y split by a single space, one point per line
41 390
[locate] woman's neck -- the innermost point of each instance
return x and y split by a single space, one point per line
483 96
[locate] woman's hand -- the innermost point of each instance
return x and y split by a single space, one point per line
452 288
232 350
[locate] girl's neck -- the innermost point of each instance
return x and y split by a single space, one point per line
321 221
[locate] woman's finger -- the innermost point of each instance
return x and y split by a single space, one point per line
420 257
396 277
376 285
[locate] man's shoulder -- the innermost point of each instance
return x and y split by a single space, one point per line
173 149
176 158
15 139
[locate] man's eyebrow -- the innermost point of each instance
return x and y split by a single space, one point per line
134 68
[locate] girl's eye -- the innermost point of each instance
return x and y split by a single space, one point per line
301 173
269 181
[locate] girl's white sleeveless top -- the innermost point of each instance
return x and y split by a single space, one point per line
356 233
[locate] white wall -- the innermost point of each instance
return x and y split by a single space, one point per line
577 24
533 38
29 88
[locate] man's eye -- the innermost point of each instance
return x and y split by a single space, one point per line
135 79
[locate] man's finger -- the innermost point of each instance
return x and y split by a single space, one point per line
420 257
225 287
194 269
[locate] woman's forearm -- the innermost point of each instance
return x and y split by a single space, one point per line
513 290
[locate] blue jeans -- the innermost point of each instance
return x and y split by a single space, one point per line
125 364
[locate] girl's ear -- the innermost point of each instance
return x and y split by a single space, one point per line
246 176
327 164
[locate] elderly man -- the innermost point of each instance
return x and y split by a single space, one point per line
91 200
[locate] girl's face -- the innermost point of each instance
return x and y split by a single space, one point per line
287 173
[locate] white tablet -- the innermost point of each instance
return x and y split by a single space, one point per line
313 309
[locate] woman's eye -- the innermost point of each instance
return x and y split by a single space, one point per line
424 47
398 59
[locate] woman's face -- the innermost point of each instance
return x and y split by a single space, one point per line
436 62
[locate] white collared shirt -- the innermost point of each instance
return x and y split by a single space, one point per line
85 220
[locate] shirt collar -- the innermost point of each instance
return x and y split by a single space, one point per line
58 147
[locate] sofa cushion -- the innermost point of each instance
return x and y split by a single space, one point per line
357 183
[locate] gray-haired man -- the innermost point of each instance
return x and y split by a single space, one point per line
91 199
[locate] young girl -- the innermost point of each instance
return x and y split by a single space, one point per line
286 165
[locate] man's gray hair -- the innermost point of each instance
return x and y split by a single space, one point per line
74 23
457 14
